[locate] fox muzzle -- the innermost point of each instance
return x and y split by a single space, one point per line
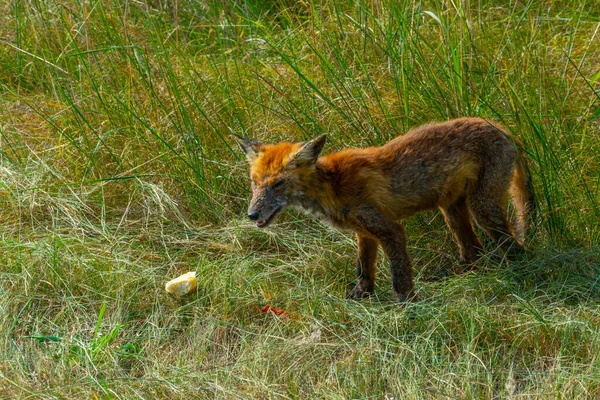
265 204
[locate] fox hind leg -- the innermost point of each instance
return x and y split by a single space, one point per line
491 213
458 219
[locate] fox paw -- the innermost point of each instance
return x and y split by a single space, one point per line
358 292
409 297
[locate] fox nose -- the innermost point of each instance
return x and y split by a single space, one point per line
253 215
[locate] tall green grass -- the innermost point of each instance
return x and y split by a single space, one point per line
134 88
117 174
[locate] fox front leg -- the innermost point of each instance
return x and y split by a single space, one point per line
392 238
365 266
394 246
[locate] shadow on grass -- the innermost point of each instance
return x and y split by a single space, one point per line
569 277
562 278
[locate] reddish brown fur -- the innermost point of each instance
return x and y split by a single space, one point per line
273 161
466 167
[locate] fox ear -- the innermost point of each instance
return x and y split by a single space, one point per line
250 147
309 152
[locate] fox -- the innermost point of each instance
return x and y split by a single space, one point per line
469 168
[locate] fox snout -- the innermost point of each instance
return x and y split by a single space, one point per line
265 205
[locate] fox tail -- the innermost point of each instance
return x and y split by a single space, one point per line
523 197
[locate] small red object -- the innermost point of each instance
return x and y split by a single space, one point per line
275 311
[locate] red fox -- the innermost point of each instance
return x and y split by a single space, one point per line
467 167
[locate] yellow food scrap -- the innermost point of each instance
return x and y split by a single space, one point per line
182 285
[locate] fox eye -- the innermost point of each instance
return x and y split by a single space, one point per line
278 184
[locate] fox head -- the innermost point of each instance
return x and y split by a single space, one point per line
279 172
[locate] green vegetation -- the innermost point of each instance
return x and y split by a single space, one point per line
116 175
